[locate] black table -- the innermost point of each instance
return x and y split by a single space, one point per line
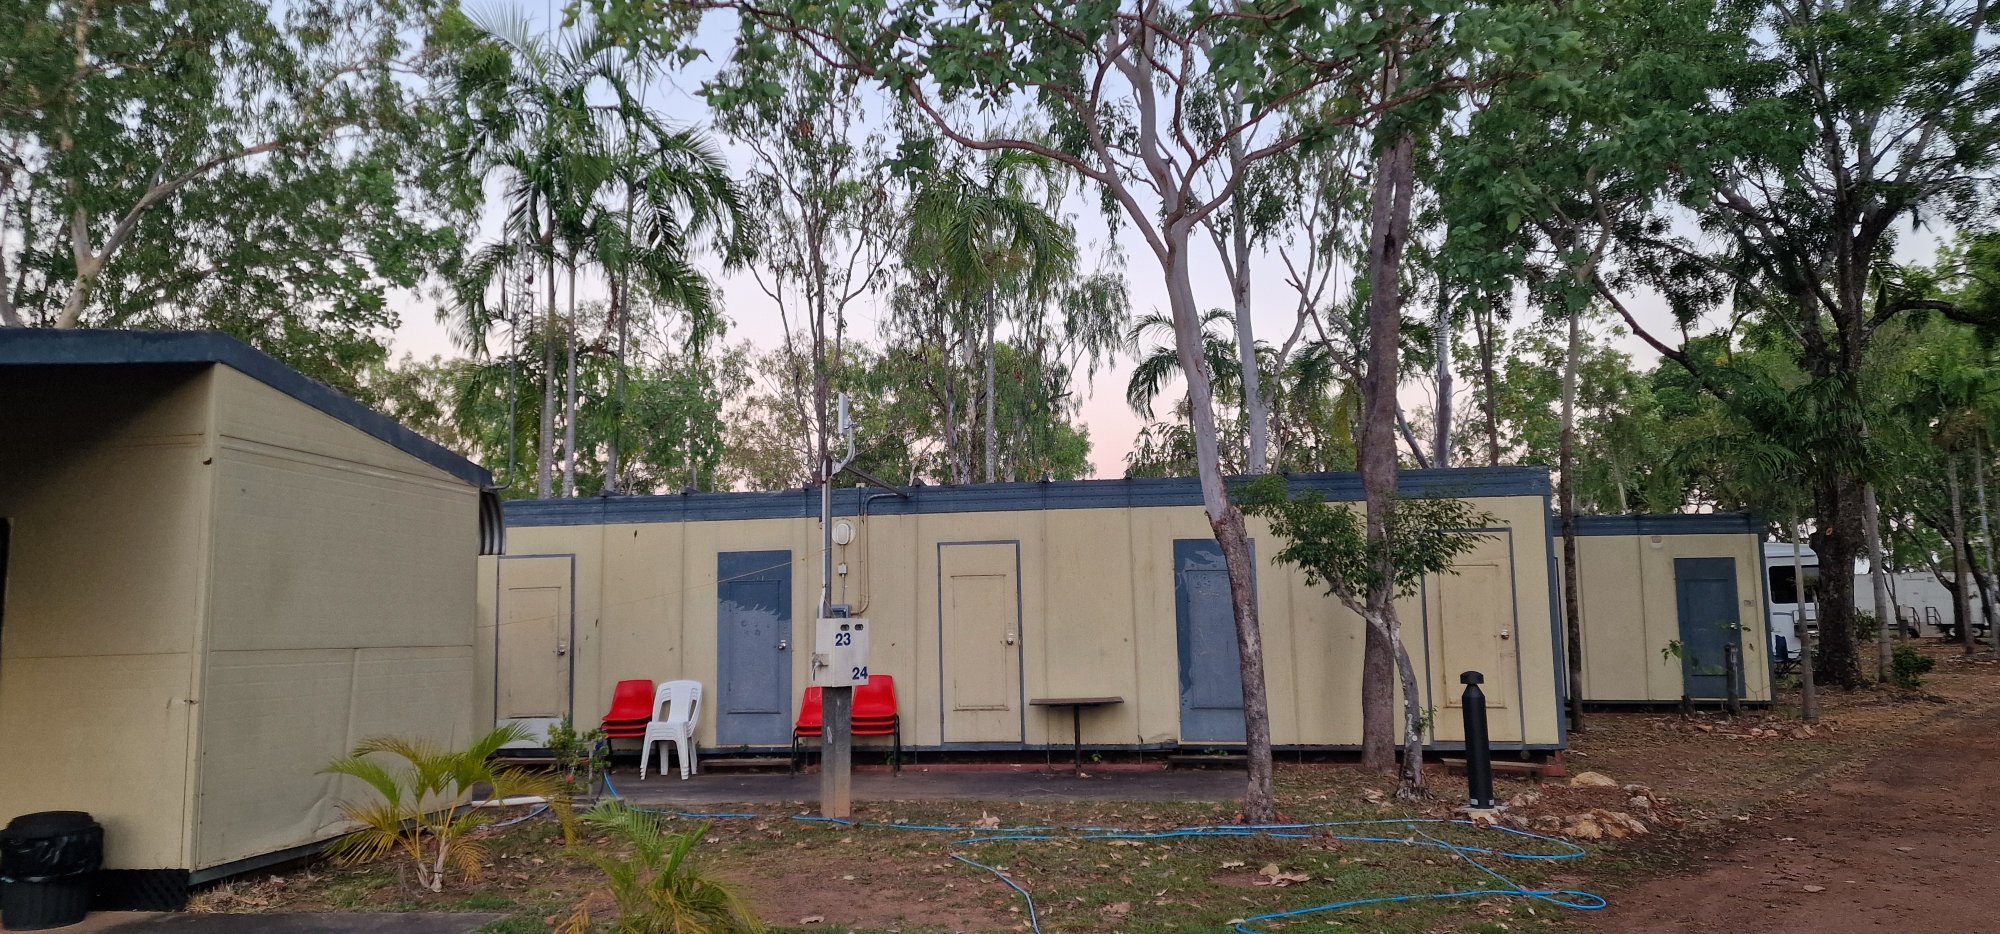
1076 705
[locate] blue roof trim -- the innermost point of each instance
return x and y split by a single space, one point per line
48 347
993 497
1709 523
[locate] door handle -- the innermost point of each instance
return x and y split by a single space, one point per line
562 647
1506 633
784 644
1010 638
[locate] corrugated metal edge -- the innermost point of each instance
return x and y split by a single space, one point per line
492 524
1711 523
998 497
48 347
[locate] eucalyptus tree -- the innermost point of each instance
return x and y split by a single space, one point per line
1622 438
820 201
1112 81
1082 332
266 169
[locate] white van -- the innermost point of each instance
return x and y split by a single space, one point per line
1781 577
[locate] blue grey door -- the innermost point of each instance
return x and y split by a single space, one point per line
1211 679
1705 589
753 619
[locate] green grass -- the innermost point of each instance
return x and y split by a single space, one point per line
515 925
484 902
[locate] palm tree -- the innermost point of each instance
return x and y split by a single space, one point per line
989 231
421 809
676 197
657 888
537 115
1314 398
1158 365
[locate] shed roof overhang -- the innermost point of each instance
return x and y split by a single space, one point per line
42 347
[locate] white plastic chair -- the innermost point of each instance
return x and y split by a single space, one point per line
682 700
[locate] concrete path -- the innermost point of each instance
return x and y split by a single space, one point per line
139 922
916 784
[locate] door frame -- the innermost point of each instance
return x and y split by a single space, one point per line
1180 636
499 588
785 702
1519 699
1681 623
1020 648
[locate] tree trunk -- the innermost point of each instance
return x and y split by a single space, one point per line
1838 541
951 442
1388 231
972 381
1566 494
1259 802
1378 701
1808 683
1961 559
1878 580
1255 406
1410 437
545 459
1412 778
1485 330
992 427
1441 422
569 391
620 285
1985 548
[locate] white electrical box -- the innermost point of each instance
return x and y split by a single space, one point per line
840 652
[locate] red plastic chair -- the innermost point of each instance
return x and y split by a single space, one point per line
631 709
874 714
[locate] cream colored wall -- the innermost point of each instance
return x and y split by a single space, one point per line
1097 608
105 582
343 580
1631 612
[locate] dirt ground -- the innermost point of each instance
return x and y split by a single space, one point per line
1904 841
1877 815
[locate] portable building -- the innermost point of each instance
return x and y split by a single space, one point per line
982 599
216 575
1661 596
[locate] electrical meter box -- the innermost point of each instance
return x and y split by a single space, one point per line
840 652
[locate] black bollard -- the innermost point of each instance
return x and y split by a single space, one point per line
1478 753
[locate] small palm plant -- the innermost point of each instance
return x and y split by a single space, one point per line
422 809
657 889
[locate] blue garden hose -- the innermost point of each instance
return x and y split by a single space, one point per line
1565 898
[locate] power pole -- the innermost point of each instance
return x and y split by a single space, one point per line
836 767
